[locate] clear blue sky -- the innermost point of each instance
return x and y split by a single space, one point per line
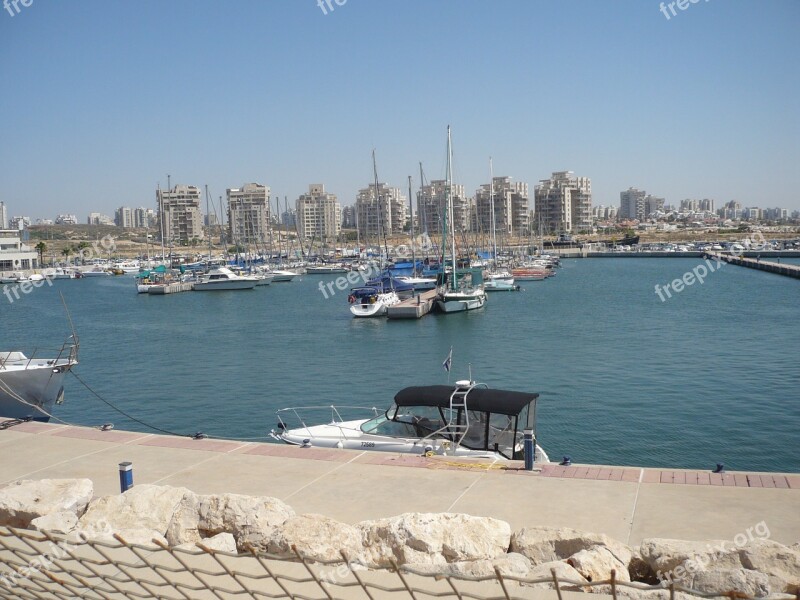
101 99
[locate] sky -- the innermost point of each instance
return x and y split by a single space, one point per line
101 100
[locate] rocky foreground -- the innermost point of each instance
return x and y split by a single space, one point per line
448 543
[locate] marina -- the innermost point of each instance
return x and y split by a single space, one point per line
602 400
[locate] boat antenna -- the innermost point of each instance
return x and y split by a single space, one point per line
411 210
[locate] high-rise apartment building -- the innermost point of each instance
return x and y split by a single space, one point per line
179 214
380 210
431 203
3 216
511 207
564 203
248 214
319 213
123 217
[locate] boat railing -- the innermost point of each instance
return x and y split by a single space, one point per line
67 354
336 417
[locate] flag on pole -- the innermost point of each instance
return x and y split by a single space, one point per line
448 361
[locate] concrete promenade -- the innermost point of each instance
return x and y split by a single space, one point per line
627 503
787 270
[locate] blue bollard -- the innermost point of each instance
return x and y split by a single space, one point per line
125 476
529 449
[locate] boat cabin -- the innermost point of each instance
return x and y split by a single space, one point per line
467 414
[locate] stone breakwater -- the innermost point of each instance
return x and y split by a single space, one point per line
447 543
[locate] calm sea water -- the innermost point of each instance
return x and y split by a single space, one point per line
710 375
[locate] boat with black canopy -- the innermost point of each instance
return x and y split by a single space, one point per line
466 420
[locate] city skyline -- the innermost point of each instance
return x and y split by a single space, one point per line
677 105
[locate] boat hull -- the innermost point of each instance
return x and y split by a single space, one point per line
223 285
458 302
32 391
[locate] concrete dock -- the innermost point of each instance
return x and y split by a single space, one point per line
415 307
757 263
626 503
171 288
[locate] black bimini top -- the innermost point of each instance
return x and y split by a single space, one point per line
479 399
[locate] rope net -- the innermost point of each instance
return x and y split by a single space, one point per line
36 565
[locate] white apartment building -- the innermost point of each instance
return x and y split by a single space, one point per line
3 216
381 210
179 214
123 217
248 214
14 255
511 207
564 203
319 213
431 203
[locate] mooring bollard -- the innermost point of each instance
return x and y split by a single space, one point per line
125 476
529 449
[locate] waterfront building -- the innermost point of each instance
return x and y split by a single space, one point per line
3 216
638 204
319 213
144 217
14 255
431 202
564 203
380 210
19 223
348 217
248 214
66 220
179 214
511 207
123 217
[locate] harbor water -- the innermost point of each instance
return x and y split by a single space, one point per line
709 375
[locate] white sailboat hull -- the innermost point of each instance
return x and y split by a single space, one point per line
451 302
379 308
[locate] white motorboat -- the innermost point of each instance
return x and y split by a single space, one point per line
29 387
13 277
62 273
371 301
465 420
467 298
223 278
280 276
96 271
500 281
326 269
420 284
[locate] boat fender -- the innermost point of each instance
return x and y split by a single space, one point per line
372 299
351 299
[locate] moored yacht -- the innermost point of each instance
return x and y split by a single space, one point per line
371 301
29 387
223 278
465 420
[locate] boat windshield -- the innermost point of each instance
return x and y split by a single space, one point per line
405 422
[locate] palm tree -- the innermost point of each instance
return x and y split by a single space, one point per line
66 252
41 247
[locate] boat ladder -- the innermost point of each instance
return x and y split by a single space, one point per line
458 402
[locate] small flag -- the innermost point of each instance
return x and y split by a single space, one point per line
448 361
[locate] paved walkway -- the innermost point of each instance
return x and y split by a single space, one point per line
627 503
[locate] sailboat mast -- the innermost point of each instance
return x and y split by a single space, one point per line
208 227
449 195
494 224
161 219
411 212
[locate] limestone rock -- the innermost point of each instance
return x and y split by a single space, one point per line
433 538
564 572
183 528
222 542
747 582
597 563
548 544
60 522
144 508
252 520
316 537
511 564
781 563
678 559
23 501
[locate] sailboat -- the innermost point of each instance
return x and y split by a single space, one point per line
374 300
496 280
453 297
